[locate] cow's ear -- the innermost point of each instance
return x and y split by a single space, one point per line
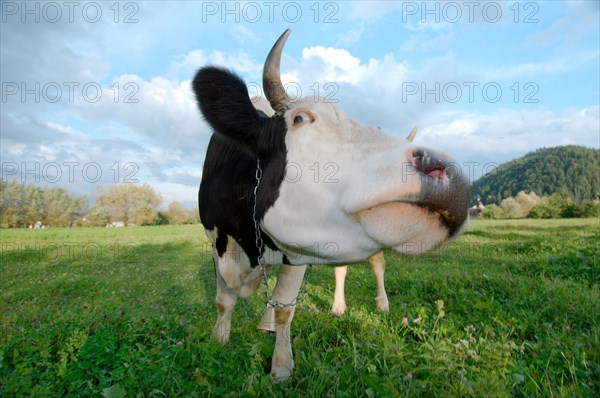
225 104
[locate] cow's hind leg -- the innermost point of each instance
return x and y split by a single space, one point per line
339 301
286 290
378 267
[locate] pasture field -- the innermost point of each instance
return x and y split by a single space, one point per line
512 308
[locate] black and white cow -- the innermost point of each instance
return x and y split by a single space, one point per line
386 193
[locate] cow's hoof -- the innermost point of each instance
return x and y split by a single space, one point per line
221 337
282 364
338 309
280 375
221 332
382 304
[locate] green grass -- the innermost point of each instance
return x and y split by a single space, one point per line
129 312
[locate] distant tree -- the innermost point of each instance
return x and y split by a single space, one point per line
62 209
588 208
132 204
23 205
161 219
519 206
195 215
553 206
492 212
510 208
559 202
526 202
177 214
541 211
10 203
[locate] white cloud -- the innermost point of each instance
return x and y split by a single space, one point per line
68 131
581 19
170 192
187 65
351 36
243 34
240 61
427 42
534 69
370 91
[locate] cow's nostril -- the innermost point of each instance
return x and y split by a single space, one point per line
417 160
430 166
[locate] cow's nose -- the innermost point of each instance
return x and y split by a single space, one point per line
444 189
430 163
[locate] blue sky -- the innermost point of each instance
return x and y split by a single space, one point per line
104 87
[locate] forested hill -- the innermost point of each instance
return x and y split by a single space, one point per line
571 169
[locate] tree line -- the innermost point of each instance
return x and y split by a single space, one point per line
529 205
23 206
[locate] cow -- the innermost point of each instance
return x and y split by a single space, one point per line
378 267
387 193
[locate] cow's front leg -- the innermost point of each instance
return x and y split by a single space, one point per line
234 277
378 267
225 301
286 290
339 301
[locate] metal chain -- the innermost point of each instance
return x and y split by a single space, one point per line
260 245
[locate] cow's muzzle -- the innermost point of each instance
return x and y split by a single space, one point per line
445 189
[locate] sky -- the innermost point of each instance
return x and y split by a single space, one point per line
97 93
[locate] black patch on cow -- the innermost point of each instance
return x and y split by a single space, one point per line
225 198
286 260
221 243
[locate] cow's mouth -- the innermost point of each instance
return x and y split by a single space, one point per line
444 201
444 215
447 219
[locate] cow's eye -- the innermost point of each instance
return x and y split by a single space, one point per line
302 117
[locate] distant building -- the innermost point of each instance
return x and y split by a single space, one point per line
477 209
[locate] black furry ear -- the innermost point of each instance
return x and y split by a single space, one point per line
225 104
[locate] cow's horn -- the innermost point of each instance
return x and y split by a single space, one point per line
272 86
412 134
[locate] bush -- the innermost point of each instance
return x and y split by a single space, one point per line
557 205
582 210
492 212
588 209
541 211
